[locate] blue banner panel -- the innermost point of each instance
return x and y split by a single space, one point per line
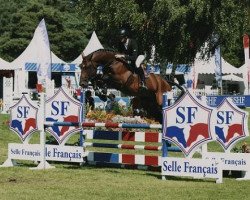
56 67
239 100
106 157
106 135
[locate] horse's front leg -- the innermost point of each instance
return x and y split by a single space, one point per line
159 98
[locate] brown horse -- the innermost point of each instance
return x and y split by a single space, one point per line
116 74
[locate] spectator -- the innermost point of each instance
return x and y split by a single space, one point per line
111 103
89 100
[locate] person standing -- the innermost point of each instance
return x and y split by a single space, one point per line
111 103
89 100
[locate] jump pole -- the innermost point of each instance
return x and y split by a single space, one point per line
82 118
164 142
43 163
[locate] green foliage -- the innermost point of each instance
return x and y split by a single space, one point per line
18 20
178 28
122 110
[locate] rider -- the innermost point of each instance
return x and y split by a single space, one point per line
128 49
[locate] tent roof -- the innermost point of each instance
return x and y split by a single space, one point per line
93 45
232 77
55 59
4 65
78 60
207 67
30 55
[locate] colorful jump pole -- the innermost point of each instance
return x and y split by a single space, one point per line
164 142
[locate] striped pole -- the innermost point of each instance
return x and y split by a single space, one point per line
107 125
164 142
130 146
82 118
121 125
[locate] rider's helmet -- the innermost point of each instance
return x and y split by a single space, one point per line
123 33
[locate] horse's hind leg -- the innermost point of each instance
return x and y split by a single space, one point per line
152 108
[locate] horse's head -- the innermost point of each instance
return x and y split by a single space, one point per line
90 64
88 70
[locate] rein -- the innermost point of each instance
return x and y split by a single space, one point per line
108 66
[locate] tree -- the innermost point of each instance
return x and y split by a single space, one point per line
67 33
178 28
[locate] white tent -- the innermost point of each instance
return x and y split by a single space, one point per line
204 72
207 67
6 85
93 45
29 55
4 65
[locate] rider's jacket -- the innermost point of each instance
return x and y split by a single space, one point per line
130 49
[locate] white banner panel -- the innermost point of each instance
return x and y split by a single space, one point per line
192 167
231 161
53 152
64 153
24 151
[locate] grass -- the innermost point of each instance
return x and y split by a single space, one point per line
70 181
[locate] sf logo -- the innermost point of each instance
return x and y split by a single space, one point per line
186 115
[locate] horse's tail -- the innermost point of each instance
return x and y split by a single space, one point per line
172 83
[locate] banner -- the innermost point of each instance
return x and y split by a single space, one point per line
43 54
247 61
246 47
218 67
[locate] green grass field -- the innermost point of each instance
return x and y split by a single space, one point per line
70 181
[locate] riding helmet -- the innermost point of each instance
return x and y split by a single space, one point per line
123 33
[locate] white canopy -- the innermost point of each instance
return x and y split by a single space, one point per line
55 59
29 55
93 45
78 60
4 65
207 67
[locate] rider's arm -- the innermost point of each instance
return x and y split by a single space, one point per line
121 50
133 51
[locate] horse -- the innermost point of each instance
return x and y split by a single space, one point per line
117 74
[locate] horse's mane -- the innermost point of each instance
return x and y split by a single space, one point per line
100 50
107 51
103 50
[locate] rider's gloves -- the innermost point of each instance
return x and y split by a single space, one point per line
119 56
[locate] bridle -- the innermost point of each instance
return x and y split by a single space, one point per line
92 65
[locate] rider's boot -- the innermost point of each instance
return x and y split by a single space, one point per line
143 81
